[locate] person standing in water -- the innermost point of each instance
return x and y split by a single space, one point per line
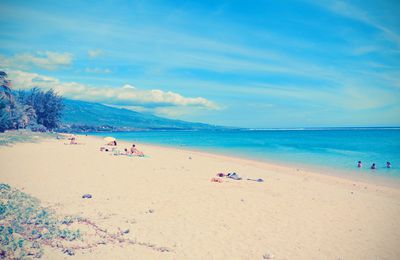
359 164
373 166
388 165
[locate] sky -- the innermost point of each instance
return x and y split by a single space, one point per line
258 64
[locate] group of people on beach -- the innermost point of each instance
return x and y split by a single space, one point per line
133 151
373 166
232 175
72 139
112 147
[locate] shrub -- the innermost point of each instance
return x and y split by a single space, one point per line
35 127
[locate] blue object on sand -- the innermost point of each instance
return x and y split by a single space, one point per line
87 196
257 180
234 176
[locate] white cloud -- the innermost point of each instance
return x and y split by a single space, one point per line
43 59
98 70
94 53
171 112
126 95
174 112
128 86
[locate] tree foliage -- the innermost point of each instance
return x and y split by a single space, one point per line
6 100
47 106
33 109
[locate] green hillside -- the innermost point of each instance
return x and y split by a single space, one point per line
95 114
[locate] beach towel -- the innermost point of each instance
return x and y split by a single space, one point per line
118 152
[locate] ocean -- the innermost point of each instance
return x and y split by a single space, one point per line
337 149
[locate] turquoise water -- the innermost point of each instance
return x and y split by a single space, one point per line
337 149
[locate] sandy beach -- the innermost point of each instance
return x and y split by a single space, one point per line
166 200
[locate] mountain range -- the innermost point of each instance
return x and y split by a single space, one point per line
88 116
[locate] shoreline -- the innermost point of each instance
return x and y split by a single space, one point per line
347 175
293 170
167 200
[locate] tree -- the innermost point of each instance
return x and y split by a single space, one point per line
5 89
47 106
34 109
13 114
21 115
4 116
6 101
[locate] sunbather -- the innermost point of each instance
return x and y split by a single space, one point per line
73 141
112 143
135 151
103 149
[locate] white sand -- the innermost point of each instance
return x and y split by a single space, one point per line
292 215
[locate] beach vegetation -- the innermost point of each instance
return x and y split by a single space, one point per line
33 109
26 227
47 106
6 102
23 136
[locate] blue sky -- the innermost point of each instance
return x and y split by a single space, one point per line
238 63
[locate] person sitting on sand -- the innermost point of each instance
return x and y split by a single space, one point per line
73 141
388 165
112 143
127 152
373 166
359 164
135 151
